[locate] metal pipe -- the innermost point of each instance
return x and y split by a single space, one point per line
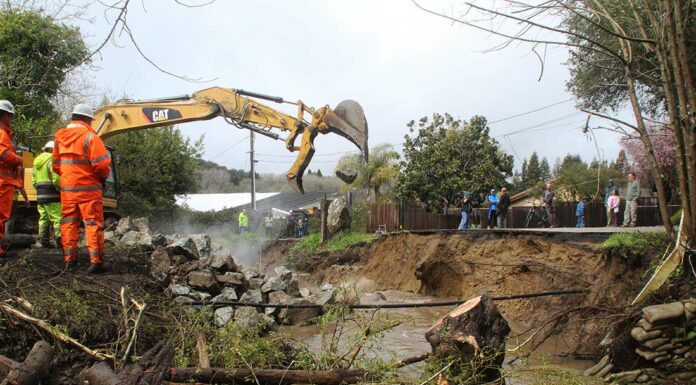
276 99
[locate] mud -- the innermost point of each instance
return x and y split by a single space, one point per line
447 266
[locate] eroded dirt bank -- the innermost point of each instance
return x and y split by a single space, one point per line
462 265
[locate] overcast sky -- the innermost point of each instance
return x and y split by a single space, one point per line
397 61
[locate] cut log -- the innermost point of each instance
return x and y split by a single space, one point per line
34 368
101 374
475 333
202 348
265 376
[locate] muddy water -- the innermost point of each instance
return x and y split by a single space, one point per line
408 339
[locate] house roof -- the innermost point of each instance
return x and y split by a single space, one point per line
216 202
291 201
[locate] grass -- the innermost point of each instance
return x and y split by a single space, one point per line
630 246
341 242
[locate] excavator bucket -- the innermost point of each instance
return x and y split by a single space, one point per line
348 120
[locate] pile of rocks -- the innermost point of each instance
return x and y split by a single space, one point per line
195 272
665 336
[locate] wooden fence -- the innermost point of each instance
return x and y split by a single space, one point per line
396 217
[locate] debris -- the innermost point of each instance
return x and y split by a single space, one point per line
204 279
347 175
34 368
223 315
265 376
339 216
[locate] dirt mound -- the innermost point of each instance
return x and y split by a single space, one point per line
83 306
462 265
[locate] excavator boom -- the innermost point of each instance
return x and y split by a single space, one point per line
239 108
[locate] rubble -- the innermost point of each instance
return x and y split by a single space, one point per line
347 175
664 338
196 272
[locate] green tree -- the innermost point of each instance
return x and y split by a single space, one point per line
533 172
377 176
446 156
576 179
545 170
153 166
37 53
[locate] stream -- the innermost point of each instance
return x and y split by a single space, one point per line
408 339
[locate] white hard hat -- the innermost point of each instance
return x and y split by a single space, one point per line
84 110
49 144
6 106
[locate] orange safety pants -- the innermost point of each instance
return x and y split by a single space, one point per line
91 212
6 197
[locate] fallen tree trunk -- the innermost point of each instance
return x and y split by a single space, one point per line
473 334
151 369
34 368
265 376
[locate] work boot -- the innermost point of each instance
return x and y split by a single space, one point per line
96 268
44 243
71 266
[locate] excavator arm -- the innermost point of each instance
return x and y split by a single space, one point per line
241 109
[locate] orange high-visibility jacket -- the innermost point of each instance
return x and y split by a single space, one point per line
82 161
10 162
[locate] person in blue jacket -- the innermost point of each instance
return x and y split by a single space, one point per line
580 213
492 209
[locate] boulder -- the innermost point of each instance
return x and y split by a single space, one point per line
202 242
326 287
159 240
205 280
283 273
160 263
252 296
183 300
256 283
178 260
276 298
338 217
178 290
222 263
266 322
274 284
665 311
294 316
110 236
124 225
293 288
141 224
641 335
228 294
137 238
325 298
200 296
224 315
246 317
251 273
231 279
347 175
183 246
305 293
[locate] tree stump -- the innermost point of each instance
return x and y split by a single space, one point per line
474 334
34 368
151 369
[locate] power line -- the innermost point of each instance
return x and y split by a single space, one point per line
530 112
538 124
230 147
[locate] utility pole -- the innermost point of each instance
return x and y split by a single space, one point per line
253 170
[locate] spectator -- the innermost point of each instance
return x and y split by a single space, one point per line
268 224
614 202
243 222
548 204
632 194
492 209
290 229
580 213
608 193
503 205
300 227
466 207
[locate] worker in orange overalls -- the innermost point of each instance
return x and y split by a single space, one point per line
10 167
83 163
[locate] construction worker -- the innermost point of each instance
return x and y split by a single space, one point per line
243 220
10 168
83 163
47 185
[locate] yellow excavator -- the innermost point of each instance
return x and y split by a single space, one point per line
237 107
